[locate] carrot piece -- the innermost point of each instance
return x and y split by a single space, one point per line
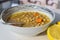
39 20
36 14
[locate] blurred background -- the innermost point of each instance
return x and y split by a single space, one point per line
53 4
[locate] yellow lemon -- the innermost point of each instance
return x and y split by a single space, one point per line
53 32
58 23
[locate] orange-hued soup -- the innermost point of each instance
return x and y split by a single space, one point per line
29 19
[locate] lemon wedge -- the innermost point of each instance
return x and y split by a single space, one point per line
53 32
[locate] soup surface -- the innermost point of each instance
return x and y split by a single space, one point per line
28 19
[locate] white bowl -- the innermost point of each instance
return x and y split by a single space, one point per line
32 30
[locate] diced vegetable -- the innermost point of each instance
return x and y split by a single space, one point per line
39 20
36 14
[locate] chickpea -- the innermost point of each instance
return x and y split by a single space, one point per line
48 20
24 21
27 21
42 23
37 24
36 17
44 19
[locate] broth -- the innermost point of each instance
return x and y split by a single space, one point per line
29 19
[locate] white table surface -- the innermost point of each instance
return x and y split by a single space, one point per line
8 35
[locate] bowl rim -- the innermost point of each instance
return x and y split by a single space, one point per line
25 5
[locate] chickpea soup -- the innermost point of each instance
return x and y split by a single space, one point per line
28 19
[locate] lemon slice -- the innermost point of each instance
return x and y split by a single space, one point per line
58 22
53 32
